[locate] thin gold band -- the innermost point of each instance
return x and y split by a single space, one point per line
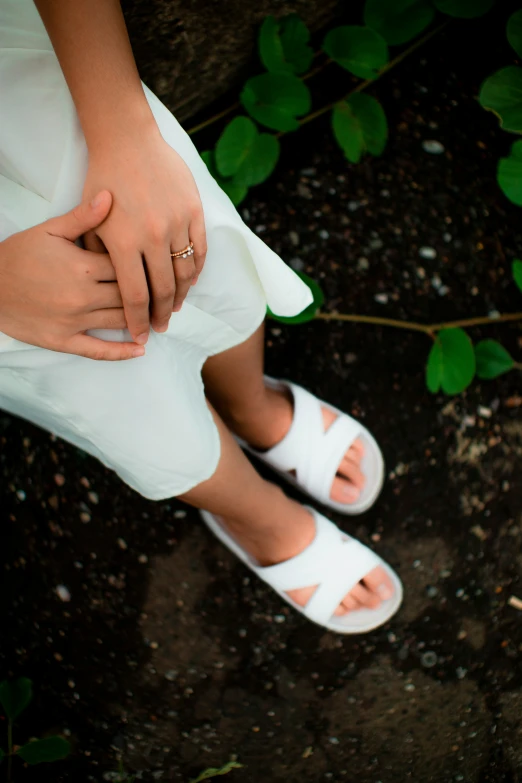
185 253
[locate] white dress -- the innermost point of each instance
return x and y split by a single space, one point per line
145 418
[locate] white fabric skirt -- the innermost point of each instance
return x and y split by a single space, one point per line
146 418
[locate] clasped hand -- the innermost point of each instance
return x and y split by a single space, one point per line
140 204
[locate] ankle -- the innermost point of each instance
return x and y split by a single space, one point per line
284 530
264 421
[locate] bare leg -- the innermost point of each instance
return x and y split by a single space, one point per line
262 416
269 525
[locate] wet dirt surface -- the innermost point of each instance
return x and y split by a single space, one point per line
169 652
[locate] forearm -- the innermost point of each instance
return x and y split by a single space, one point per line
91 42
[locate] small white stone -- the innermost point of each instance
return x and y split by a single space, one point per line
381 298
427 252
63 593
433 147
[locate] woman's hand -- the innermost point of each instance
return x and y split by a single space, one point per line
156 211
52 292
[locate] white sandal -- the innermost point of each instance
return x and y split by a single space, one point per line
314 455
335 562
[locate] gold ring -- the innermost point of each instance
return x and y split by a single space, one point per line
185 253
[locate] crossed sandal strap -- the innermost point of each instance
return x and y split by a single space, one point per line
314 454
333 561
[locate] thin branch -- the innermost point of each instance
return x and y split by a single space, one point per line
237 104
428 329
363 85
213 119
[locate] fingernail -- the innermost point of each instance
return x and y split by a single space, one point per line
162 328
177 309
195 280
138 352
142 338
97 200
351 492
385 592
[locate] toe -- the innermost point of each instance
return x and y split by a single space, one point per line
356 451
351 471
347 487
367 598
379 583
344 491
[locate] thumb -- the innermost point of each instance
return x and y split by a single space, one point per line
87 215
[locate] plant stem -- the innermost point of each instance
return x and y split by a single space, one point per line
236 105
428 329
363 85
213 119
9 749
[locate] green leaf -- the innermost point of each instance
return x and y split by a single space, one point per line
49 749
2 755
261 161
15 696
283 45
347 131
492 359
276 99
398 21
509 174
294 37
359 125
236 191
309 312
234 145
451 362
517 272
270 46
514 31
464 9
501 93
213 772
360 50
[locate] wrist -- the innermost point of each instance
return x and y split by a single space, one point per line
122 126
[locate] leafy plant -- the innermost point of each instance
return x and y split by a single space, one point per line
214 772
15 697
280 100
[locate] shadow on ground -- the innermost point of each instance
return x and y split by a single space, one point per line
168 652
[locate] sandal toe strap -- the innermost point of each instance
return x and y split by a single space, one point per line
333 561
314 454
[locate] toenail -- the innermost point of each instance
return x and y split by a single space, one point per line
351 492
385 592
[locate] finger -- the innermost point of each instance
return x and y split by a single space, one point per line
92 242
109 318
106 296
134 291
100 350
162 285
184 271
82 218
198 236
101 267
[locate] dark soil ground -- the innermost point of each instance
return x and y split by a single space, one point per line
169 653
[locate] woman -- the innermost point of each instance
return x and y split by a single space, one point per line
144 345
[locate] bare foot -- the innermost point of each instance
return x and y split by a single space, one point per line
273 544
271 421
